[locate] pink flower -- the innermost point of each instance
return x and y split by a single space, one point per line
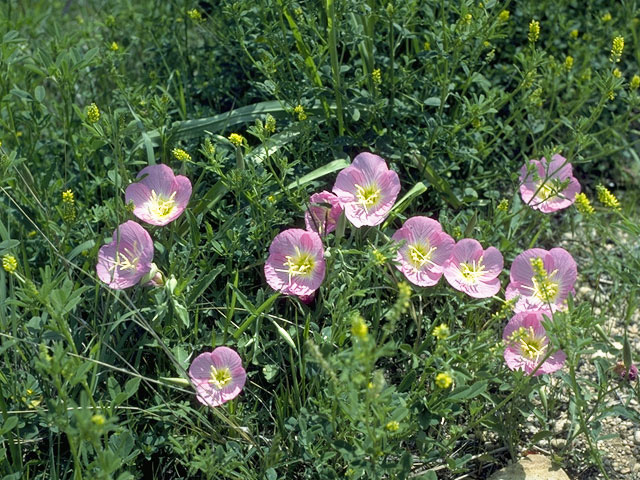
541 279
296 262
218 376
548 187
323 213
526 345
631 374
127 259
367 190
473 270
425 249
159 197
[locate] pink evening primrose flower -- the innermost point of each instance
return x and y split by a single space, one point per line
473 270
296 262
526 345
159 197
218 376
127 259
323 213
541 279
367 190
548 187
424 250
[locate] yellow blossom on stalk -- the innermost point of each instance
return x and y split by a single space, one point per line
181 155
503 16
466 20
9 263
376 75
607 198
299 110
98 420
441 332
617 46
68 207
444 380
392 426
359 328
568 63
114 47
379 257
236 139
583 204
93 113
574 33
504 205
606 17
194 15
534 31
635 82
270 124
426 45
617 73
611 95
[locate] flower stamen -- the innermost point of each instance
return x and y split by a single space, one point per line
368 196
220 377
160 206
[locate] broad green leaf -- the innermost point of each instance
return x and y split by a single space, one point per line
320 172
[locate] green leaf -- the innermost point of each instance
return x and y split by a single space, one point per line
8 425
39 93
433 101
468 392
418 189
285 335
265 305
320 172
270 146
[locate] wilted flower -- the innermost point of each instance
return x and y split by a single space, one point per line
541 279
296 262
367 190
473 270
127 259
631 374
218 376
159 197
425 249
548 187
526 344
323 213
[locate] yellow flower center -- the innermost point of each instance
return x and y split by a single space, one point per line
368 196
159 206
220 377
472 272
530 346
420 254
301 264
126 260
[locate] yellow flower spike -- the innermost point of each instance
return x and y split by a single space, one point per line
359 328
68 207
583 204
503 16
299 111
98 420
10 264
270 124
93 113
568 63
617 46
635 82
376 75
443 380
617 73
114 47
441 332
236 139
534 31
392 426
574 33
607 198
181 155
606 17
503 206
194 15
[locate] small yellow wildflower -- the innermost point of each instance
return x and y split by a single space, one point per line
194 15
390 10
574 33
114 47
486 43
236 139
503 206
607 198
467 19
606 17
9 263
392 426
617 46
568 63
426 45
271 198
583 204
441 332
93 113
299 110
635 82
503 16
359 328
534 31
68 207
98 420
68 197
444 380
270 124
617 73
379 257
376 75
299 12
181 155
611 94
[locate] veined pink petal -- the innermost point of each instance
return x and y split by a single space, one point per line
222 359
323 219
539 184
158 178
473 270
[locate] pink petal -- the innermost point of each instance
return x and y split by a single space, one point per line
158 178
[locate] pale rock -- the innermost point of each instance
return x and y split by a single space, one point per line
532 467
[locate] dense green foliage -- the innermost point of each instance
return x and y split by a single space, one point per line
456 96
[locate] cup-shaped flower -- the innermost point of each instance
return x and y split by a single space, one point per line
367 190
160 196
548 186
323 213
127 259
473 270
296 262
526 345
424 249
541 279
218 376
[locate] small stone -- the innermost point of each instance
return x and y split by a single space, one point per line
532 467
636 437
558 442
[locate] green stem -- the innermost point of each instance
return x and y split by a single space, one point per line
335 66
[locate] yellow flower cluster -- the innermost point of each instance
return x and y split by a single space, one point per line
181 155
534 31
194 15
236 139
635 82
359 327
504 205
617 73
444 380
376 75
607 198
617 46
583 204
93 113
114 47
270 124
392 426
441 332
503 16
9 263
299 111
574 33
68 207
606 17
568 63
